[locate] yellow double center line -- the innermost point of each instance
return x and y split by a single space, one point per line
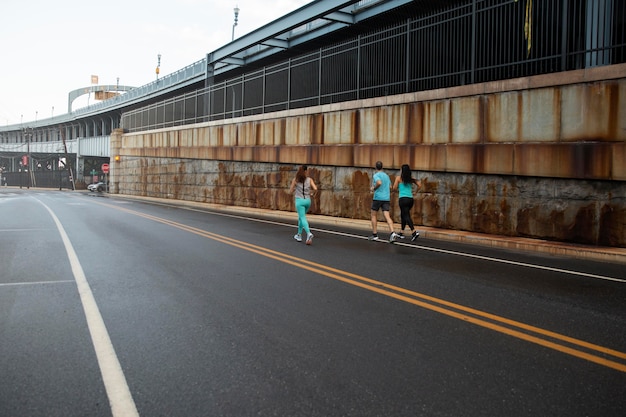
565 344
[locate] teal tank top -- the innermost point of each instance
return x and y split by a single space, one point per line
405 190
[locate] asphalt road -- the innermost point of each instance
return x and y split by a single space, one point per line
111 306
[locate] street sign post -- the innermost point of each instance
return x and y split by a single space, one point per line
105 171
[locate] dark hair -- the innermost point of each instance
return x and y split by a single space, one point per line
379 165
405 174
301 174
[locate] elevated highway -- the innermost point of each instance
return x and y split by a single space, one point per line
89 128
302 26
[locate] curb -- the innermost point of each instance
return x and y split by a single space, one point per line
595 253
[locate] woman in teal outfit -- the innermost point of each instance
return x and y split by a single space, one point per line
302 186
405 185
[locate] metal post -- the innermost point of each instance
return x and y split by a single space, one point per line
236 10
29 164
473 44
158 68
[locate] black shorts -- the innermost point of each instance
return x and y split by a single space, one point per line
377 205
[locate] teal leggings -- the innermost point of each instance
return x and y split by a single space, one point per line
302 206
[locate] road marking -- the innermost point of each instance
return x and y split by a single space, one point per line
536 335
409 245
523 264
38 229
120 398
10 284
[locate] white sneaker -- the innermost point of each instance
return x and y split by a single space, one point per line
373 237
393 237
297 237
309 239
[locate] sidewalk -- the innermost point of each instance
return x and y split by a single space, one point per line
595 253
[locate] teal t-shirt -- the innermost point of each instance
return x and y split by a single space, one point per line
405 190
382 192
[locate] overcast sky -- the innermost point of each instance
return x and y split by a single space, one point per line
49 48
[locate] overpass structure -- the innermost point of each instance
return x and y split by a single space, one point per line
106 91
85 132
491 99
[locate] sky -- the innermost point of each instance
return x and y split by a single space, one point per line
49 48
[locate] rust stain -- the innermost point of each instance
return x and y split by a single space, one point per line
612 228
431 211
614 111
360 181
582 229
558 188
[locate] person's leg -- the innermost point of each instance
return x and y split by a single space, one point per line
302 205
389 221
306 204
386 206
408 207
414 233
393 236
404 212
374 221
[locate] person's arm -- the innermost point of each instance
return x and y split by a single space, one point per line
293 186
313 186
395 184
378 183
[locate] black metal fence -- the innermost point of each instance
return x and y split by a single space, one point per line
472 41
41 179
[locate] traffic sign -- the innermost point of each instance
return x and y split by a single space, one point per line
105 168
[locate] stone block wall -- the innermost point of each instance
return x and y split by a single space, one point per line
540 157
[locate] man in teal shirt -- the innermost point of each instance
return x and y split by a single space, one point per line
381 187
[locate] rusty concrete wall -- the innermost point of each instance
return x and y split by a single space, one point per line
538 157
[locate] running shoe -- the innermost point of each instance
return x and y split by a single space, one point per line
373 237
309 238
415 235
297 237
393 237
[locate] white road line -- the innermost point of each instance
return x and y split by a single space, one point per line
23 230
120 398
450 252
523 264
10 284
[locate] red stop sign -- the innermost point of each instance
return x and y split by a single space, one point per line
105 168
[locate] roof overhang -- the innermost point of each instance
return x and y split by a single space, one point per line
307 23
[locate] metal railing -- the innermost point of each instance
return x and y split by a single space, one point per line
470 42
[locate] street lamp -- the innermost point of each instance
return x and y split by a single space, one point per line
236 10
158 68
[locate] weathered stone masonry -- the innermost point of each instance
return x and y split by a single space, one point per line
540 157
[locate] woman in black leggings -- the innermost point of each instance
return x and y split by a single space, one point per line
404 184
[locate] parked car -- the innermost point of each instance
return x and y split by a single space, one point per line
97 186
